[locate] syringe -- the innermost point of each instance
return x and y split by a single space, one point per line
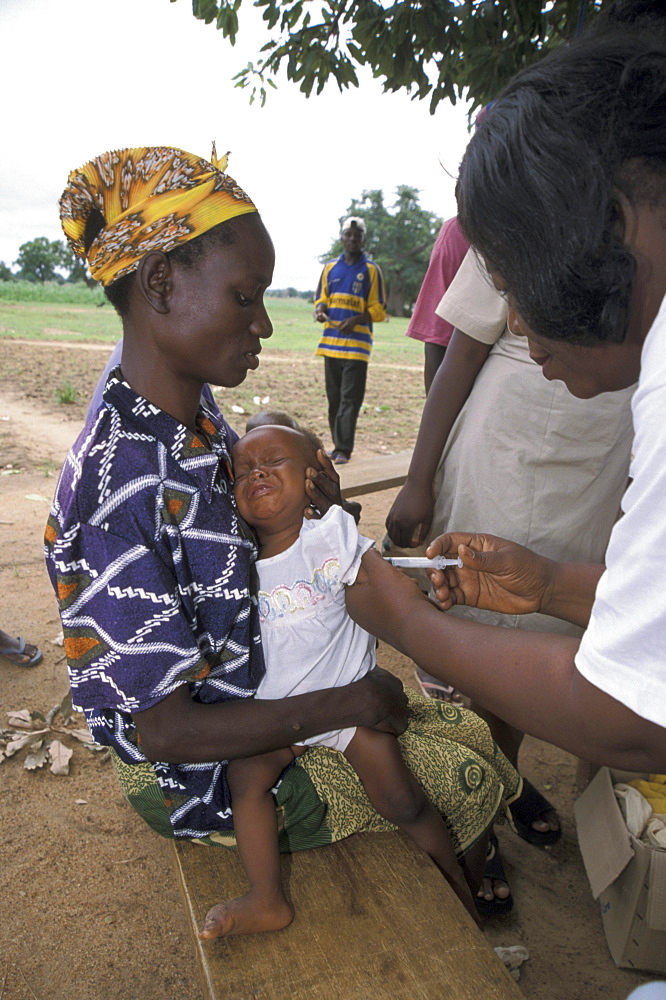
420 562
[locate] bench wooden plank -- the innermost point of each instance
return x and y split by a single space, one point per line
375 920
374 474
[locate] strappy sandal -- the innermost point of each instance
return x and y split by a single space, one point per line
18 656
494 870
530 806
435 688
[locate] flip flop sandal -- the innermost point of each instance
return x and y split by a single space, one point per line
15 655
339 458
438 689
494 870
530 806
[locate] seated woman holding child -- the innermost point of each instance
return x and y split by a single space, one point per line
152 564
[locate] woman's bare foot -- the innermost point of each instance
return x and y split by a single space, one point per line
534 817
494 897
494 888
249 914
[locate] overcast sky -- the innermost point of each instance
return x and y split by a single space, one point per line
79 77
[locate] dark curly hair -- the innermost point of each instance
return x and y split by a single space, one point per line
537 188
187 255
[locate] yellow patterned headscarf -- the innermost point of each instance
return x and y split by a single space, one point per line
151 198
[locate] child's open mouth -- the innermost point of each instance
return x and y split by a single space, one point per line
260 488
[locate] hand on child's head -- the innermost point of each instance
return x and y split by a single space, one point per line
322 485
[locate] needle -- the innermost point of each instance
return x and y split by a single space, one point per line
419 562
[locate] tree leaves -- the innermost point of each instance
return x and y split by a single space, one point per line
41 260
441 48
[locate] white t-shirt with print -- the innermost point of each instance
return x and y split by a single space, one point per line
309 640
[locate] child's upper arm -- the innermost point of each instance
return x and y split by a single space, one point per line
376 575
365 574
384 601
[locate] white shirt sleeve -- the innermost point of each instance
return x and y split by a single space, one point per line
473 304
335 532
623 651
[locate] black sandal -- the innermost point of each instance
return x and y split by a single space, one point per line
530 806
494 870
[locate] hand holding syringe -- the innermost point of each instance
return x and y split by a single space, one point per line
420 562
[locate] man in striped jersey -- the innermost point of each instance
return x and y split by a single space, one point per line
350 297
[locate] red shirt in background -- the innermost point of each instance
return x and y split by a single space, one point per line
446 257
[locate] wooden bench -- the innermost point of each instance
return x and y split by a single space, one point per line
375 920
374 474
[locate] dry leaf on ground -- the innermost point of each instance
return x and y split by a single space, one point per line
20 719
23 741
60 756
82 735
37 757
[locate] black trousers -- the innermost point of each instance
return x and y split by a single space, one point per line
345 389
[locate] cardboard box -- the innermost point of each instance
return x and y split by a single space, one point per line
627 877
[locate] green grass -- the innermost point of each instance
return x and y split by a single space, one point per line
67 393
72 312
50 292
34 311
52 322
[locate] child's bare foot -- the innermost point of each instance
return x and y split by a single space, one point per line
246 915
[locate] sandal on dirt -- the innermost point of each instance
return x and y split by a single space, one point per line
494 870
339 458
17 656
438 689
530 806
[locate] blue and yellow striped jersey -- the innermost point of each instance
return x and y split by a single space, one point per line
347 290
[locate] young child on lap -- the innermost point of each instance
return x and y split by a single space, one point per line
310 643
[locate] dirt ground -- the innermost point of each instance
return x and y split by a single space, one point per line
90 905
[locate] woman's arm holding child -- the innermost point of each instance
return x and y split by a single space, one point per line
181 730
323 488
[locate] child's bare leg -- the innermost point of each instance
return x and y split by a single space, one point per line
265 907
397 796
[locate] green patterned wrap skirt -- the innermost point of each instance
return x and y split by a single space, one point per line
320 799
